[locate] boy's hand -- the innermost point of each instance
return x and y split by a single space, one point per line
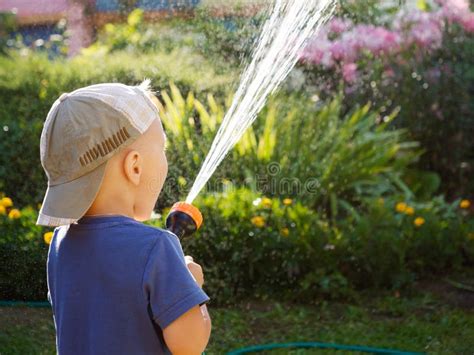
195 269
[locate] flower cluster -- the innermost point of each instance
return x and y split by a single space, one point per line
7 208
402 207
261 220
342 44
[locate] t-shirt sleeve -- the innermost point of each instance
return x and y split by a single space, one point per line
169 285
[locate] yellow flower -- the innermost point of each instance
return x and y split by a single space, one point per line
285 232
6 202
401 207
419 221
258 221
410 211
266 202
14 213
47 237
465 204
287 201
3 210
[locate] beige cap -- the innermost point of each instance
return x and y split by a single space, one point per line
82 131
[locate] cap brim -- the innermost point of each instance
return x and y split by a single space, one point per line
65 203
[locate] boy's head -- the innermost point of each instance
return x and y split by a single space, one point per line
102 148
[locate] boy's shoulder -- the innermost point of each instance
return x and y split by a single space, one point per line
155 232
137 229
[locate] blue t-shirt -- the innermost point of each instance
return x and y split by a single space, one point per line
114 284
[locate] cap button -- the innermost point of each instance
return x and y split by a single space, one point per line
63 97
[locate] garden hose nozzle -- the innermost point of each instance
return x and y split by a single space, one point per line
184 219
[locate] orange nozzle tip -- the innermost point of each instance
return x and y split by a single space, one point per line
190 210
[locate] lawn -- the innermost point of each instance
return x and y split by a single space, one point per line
433 317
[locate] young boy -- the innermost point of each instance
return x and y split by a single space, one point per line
116 285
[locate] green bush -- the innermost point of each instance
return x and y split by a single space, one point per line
423 65
324 158
393 241
30 84
259 247
254 246
22 255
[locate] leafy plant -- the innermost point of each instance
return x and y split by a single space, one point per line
320 156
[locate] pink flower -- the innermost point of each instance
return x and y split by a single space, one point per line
351 45
450 14
338 50
457 11
376 39
338 25
427 35
349 72
468 23
318 52
456 4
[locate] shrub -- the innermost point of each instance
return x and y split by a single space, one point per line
418 60
22 254
396 240
255 246
30 84
317 154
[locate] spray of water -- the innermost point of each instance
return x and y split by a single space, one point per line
290 25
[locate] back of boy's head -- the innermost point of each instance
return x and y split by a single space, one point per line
82 131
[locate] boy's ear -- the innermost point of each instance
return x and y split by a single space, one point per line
133 166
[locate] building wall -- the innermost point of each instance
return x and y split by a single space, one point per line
37 18
35 11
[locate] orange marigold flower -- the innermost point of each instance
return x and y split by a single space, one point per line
401 207
465 204
419 221
6 202
47 237
14 213
266 202
287 201
3 210
258 221
410 211
285 232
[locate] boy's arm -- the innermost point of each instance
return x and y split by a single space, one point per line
173 285
189 333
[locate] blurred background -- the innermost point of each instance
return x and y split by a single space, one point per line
344 214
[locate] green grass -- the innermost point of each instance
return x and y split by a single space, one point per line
439 321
